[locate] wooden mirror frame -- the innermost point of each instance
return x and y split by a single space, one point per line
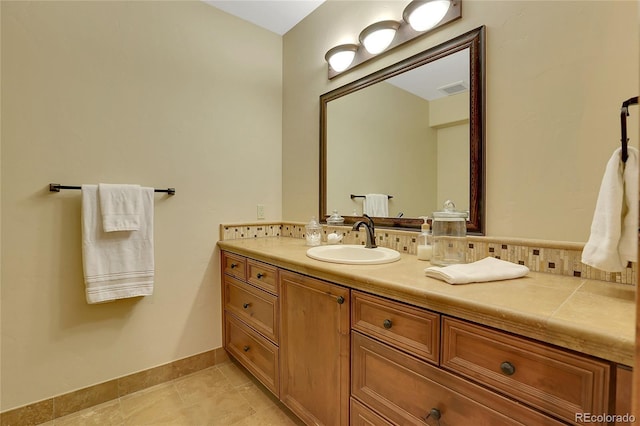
473 40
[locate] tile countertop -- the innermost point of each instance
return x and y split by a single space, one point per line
592 317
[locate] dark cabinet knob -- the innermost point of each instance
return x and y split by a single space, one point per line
234 265
260 275
246 348
507 368
246 305
340 300
434 413
387 324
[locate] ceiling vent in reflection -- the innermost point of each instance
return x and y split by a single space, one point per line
453 88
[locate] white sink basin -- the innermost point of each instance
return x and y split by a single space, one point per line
353 254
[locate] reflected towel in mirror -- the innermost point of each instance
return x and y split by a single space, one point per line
376 205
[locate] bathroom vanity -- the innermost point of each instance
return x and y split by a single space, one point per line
385 345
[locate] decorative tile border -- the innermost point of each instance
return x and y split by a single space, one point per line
62 405
553 257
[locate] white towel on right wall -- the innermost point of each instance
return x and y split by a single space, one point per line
376 205
614 231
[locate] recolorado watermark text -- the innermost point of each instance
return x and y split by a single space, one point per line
604 418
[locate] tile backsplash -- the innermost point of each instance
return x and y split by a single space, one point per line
562 258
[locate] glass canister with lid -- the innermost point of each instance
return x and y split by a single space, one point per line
335 219
313 233
449 228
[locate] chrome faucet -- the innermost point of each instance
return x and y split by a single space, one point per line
371 231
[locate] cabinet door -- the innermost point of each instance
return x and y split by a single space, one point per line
314 349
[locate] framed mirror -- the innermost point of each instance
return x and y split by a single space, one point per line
413 131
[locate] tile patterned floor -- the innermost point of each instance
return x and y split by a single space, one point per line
222 395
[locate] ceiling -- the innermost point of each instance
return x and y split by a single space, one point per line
277 16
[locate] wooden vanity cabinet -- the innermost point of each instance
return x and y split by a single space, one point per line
251 317
314 349
408 391
405 327
396 379
337 356
624 395
361 415
555 381
234 265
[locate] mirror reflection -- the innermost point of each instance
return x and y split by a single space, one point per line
411 134
407 136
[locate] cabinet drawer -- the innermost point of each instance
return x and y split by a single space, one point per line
256 353
363 416
411 329
555 381
256 307
406 390
263 276
234 265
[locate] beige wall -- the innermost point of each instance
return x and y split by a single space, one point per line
453 169
156 93
450 116
557 73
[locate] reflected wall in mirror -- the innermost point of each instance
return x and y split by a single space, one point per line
415 131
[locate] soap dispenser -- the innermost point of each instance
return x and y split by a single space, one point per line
425 243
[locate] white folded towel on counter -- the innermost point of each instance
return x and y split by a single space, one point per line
376 205
116 264
121 207
613 241
487 269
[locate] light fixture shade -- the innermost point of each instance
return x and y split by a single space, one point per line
340 57
377 37
423 15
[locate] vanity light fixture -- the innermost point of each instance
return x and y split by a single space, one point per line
377 37
423 15
340 57
418 18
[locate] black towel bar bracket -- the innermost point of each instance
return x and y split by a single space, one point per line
624 113
56 187
364 196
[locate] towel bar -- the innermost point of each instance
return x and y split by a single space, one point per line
624 113
363 196
56 187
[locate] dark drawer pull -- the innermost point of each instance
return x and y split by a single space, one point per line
507 368
260 275
234 265
434 413
246 348
387 324
246 305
